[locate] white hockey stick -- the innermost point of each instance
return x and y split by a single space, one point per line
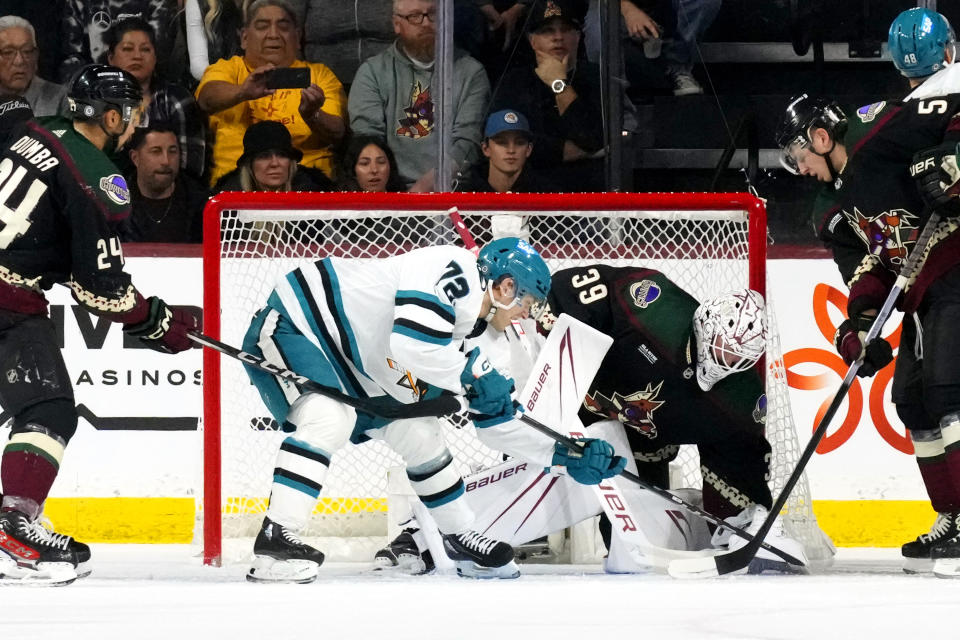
738 559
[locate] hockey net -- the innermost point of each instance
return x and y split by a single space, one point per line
706 243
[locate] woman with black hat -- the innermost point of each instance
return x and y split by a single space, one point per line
270 163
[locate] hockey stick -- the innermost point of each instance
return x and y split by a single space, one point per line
740 558
461 228
573 445
383 407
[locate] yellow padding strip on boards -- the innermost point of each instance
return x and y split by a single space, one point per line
873 523
40 441
850 523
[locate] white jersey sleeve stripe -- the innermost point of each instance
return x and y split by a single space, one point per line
426 301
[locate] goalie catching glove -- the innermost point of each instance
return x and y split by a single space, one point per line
165 328
597 462
938 178
488 391
849 344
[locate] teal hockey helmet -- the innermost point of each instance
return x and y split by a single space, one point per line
917 40
515 257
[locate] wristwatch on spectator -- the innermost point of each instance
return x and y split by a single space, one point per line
558 85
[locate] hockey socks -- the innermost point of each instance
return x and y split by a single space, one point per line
438 484
28 467
297 480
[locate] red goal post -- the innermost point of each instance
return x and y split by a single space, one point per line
250 239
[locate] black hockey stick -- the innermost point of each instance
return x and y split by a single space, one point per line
573 445
382 406
740 558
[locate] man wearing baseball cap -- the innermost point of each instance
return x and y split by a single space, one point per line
560 96
507 143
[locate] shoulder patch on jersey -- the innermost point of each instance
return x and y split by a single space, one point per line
760 410
116 188
834 221
644 293
59 132
868 112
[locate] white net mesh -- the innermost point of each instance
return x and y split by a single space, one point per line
705 252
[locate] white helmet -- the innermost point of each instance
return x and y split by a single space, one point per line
731 334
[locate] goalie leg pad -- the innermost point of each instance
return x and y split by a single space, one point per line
431 470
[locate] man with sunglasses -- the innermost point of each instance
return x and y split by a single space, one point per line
392 97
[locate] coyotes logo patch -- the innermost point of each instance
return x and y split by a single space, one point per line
418 122
635 410
887 235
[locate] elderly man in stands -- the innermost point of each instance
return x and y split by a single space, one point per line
392 97
238 92
18 68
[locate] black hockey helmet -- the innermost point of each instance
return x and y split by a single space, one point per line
98 88
801 115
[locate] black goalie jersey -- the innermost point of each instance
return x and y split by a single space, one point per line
647 381
879 213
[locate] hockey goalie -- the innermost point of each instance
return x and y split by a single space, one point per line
644 366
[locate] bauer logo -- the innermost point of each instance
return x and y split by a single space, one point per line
535 395
496 476
644 293
116 188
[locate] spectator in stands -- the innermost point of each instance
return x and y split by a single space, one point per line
131 46
507 144
344 33
85 26
18 69
691 17
213 32
368 165
167 204
270 163
560 97
235 92
391 97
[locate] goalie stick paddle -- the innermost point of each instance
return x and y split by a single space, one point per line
738 559
573 445
383 407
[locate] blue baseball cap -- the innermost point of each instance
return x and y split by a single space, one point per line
506 120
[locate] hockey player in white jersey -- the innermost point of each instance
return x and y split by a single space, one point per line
393 326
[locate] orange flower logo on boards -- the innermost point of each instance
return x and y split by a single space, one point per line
823 295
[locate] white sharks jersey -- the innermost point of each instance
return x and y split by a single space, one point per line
386 324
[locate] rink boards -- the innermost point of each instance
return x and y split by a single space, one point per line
133 471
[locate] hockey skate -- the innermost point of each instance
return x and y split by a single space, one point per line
280 556
80 551
917 555
750 520
477 556
29 555
403 554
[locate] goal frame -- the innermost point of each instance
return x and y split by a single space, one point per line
429 202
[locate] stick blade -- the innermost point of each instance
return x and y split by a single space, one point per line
719 565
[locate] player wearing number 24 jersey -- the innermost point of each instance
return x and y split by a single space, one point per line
60 199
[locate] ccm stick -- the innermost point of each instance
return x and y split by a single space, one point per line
383 407
571 444
738 559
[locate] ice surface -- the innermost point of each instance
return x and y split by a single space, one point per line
159 591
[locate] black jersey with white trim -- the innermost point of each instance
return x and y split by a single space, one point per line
879 212
60 199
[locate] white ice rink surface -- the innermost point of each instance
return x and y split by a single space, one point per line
155 591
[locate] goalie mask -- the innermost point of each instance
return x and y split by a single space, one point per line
731 335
